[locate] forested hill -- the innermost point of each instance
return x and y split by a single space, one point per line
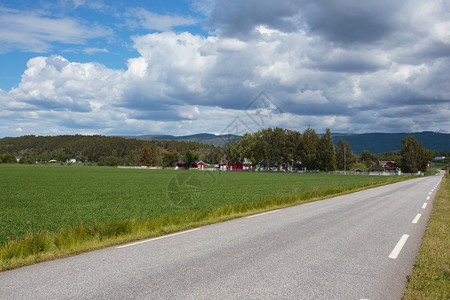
387 142
92 148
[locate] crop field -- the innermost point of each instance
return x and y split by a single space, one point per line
50 198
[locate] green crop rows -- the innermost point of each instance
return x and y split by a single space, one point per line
49 198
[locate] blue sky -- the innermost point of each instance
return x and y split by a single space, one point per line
190 66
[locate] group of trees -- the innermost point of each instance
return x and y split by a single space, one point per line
289 149
7 158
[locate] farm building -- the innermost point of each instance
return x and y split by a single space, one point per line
385 163
181 164
235 165
201 165
383 170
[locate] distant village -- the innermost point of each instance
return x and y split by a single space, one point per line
383 168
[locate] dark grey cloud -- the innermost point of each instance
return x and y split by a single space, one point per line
428 52
137 98
238 18
347 21
319 109
348 63
351 21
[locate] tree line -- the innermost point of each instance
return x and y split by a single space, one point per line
288 149
284 148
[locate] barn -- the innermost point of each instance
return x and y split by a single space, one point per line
181 164
201 165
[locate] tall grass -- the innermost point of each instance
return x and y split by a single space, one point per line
431 276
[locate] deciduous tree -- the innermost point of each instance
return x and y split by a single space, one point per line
326 159
9 159
170 159
190 157
367 158
310 141
414 157
148 156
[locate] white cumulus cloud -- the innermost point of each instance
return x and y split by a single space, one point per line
386 72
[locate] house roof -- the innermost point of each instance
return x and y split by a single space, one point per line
376 168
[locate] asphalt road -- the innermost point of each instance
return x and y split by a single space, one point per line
358 246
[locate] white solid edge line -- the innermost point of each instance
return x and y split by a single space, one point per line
396 251
424 205
416 219
261 214
157 238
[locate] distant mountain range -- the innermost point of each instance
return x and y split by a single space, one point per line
374 142
387 142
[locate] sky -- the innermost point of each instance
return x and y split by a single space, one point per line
223 66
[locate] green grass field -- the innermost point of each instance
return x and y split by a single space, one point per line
51 211
49 198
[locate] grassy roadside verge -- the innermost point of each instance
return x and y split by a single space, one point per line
431 276
46 246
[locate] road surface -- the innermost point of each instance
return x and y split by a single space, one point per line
357 246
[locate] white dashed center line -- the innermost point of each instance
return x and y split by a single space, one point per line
394 254
416 219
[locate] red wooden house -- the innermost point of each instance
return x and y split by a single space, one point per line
200 165
235 166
